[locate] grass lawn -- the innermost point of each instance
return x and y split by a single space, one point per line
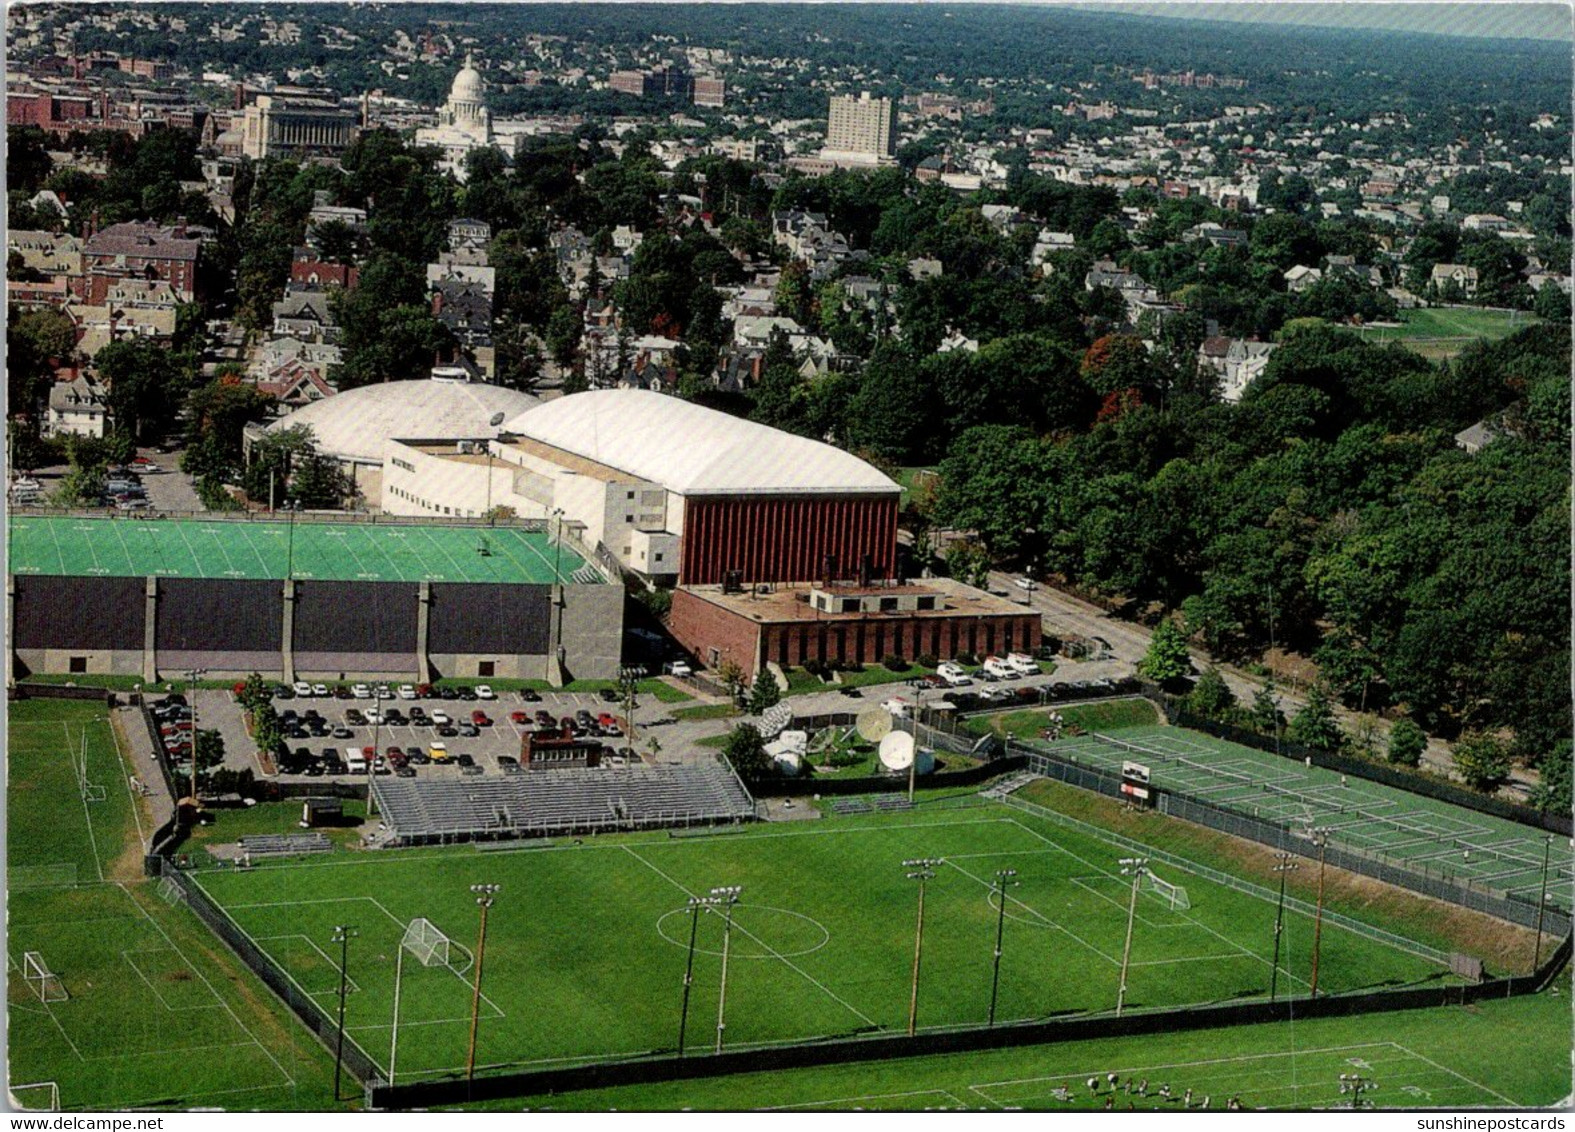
275 817
820 945
706 711
157 1014
1512 1053
1428 330
911 478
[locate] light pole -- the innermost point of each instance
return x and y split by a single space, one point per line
725 897
1136 868
343 934
1321 839
1542 901
922 869
485 893
695 904
393 1040
557 581
1286 865
1003 878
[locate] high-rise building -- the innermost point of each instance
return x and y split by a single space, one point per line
861 130
710 92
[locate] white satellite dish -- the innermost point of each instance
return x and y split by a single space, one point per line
896 751
873 725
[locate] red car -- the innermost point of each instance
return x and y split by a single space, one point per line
480 719
395 753
523 718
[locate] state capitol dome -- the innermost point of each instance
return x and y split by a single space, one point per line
468 85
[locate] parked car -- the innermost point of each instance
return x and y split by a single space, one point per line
438 752
609 695
407 691
355 718
361 691
468 730
481 719
520 718
530 697
484 692
441 718
303 689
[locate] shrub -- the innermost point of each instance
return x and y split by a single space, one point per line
817 667
1406 743
927 660
967 658
895 663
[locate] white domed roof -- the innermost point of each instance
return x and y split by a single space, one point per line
468 86
693 450
357 425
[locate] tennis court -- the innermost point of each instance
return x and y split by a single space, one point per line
373 552
1366 816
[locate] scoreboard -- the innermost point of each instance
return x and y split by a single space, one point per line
1135 784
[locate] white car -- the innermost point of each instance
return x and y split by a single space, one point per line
441 719
303 690
320 690
361 692
407 691
680 668
897 706
1024 583
383 692
483 692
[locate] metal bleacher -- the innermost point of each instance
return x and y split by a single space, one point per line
572 800
284 844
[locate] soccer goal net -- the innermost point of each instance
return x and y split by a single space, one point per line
426 943
1173 896
42 981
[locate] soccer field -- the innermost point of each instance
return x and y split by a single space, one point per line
134 1018
587 942
1420 832
371 552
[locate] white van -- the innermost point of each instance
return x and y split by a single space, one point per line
1023 663
355 761
953 674
995 666
898 706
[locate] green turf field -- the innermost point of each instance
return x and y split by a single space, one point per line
587 942
1512 1053
1420 832
371 552
149 1017
1441 332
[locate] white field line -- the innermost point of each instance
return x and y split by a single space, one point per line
1048 922
745 932
86 813
1452 1073
130 962
851 1101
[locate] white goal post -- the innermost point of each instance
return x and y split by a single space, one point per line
41 980
424 941
1172 895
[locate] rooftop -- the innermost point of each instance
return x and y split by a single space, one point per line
327 551
791 603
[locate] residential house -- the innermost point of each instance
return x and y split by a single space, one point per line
76 408
141 250
1300 278
1456 273
305 315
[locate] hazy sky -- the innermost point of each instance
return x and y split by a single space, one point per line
1519 21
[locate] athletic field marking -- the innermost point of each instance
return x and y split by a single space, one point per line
845 1102
86 813
1048 922
1083 883
136 811
762 943
1182 1064
351 987
198 971
132 963
825 935
1452 1073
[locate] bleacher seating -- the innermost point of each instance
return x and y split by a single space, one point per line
561 801
284 844
891 803
851 806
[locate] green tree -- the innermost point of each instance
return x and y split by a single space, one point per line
1315 726
1265 711
764 694
1211 697
1407 741
745 752
1551 795
1167 658
1482 760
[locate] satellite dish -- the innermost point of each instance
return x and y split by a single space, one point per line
873 725
896 751
497 419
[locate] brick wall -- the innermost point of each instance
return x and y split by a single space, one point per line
701 626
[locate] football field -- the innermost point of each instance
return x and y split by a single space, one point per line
588 942
371 552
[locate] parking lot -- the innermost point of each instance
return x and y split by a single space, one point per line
408 733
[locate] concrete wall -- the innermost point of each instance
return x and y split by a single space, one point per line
593 631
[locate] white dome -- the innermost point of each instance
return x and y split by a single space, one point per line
468 86
356 425
693 450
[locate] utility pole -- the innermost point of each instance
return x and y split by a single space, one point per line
1136 868
343 934
485 894
192 676
1285 866
923 870
1003 878
695 904
1321 836
725 897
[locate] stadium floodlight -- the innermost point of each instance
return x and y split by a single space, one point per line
695 904
1003 878
1353 1085
1286 866
724 897
1320 837
1542 901
921 869
343 934
485 894
1136 868
192 676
